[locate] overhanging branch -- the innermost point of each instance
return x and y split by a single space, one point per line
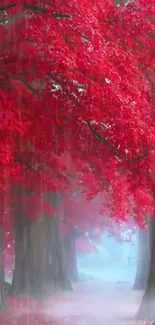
112 149
103 140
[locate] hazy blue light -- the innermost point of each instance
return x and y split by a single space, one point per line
114 262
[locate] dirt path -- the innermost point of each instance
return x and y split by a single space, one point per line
89 304
96 304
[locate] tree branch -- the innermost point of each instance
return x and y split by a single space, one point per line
61 15
28 86
68 174
7 7
35 8
103 140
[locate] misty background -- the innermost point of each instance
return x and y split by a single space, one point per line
112 261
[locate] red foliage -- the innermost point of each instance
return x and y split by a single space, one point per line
74 81
95 216
81 214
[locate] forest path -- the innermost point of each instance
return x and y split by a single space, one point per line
96 304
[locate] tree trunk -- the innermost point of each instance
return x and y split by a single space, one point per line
57 254
147 307
71 257
143 260
40 259
56 243
21 240
2 303
32 274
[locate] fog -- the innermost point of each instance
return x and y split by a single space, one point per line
113 261
105 295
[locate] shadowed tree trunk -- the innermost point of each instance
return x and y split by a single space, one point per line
19 275
56 246
142 260
32 274
2 303
71 257
39 263
147 307
57 257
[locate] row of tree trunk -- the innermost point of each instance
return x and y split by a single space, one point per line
45 262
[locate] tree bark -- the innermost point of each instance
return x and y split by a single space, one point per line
21 240
32 274
40 259
56 247
147 307
143 260
2 277
71 258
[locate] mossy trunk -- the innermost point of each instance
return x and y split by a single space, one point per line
2 277
146 311
142 260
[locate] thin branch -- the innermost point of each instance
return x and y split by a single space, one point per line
103 140
68 174
19 160
7 7
20 41
28 86
35 8
64 118
61 15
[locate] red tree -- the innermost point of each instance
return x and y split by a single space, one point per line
87 89
66 86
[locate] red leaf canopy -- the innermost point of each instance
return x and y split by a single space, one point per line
73 81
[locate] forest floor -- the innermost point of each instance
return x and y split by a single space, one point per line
90 303
97 304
